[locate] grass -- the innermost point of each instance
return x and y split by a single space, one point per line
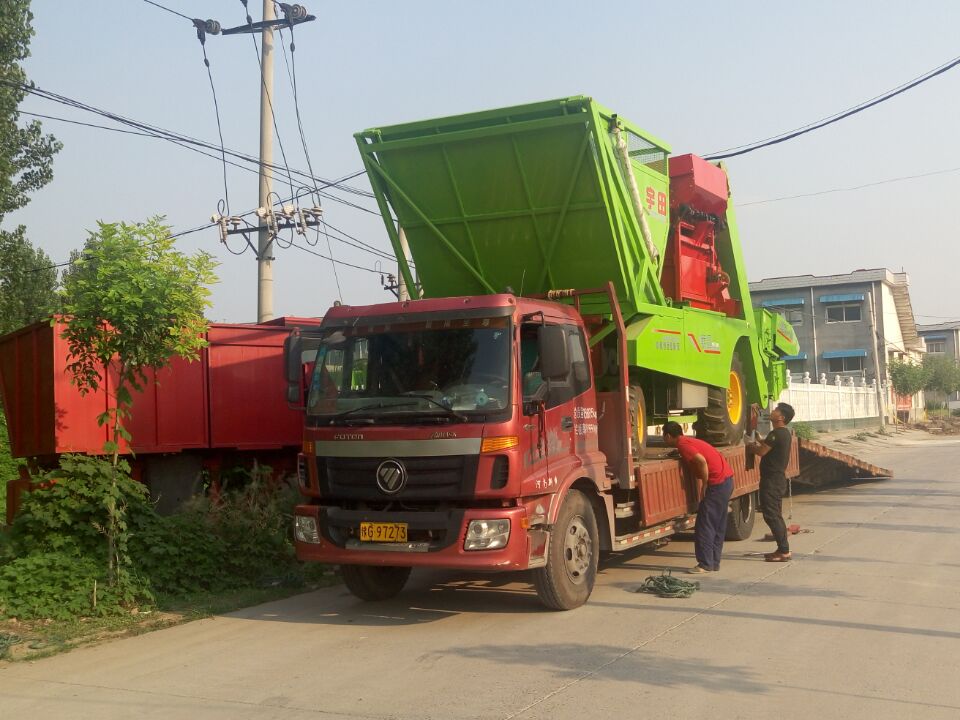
20 640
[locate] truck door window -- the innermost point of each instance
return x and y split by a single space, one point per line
576 383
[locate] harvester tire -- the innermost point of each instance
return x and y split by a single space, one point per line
374 583
638 421
572 556
742 515
724 420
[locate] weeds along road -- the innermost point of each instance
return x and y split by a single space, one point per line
864 623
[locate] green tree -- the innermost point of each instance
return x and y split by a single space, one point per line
27 282
943 375
132 302
26 154
907 378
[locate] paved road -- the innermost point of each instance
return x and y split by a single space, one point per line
865 623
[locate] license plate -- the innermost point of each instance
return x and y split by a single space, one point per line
383 532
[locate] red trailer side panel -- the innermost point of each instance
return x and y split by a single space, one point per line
171 413
248 407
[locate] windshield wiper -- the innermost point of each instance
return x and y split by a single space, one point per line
450 411
363 408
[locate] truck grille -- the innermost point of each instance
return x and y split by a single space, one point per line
428 478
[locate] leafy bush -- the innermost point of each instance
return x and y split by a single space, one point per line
955 412
804 431
243 539
57 549
61 586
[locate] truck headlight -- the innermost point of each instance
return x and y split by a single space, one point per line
305 529
487 534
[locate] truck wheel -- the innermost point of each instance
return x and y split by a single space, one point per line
567 579
743 513
724 420
638 421
374 582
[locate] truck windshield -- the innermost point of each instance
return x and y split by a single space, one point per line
454 370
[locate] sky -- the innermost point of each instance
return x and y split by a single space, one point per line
704 76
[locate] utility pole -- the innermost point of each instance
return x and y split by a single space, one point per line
265 237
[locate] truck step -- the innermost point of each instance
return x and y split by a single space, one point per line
625 510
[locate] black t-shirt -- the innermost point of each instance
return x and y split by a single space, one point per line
775 461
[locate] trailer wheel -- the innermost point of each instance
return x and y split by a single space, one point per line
571 570
374 582
638 421
743 514
724 420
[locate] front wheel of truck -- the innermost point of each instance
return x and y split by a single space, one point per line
374 582
571 570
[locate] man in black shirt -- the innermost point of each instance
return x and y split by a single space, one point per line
774 454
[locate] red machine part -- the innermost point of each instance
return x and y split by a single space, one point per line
692 271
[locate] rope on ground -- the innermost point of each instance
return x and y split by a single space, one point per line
667 586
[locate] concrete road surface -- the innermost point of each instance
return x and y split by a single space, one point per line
864 623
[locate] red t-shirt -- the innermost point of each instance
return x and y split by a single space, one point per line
717 466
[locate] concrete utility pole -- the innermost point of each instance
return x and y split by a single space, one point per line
264 238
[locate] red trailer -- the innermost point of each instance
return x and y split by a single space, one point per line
228 406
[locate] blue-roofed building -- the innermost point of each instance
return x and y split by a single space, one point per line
850 325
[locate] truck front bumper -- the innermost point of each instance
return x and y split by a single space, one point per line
436 539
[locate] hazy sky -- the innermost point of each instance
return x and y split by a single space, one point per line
703 76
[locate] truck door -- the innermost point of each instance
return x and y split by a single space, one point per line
552 444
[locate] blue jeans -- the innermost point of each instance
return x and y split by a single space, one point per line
711 527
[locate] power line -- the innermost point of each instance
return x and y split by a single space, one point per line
791 134
163 7
851 189
291 66
160 133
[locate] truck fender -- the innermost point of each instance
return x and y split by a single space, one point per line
588 480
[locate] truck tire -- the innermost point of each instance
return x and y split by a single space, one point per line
743 514
374 582
724 420
571 570
638 421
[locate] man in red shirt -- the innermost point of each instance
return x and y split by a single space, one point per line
714 486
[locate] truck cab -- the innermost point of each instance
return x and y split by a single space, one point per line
445 433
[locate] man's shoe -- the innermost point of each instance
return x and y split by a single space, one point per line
697 570
778 557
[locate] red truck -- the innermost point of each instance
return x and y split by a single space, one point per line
500 422
542 473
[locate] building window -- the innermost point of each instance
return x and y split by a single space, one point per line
845 365
936 346
794 317
844 313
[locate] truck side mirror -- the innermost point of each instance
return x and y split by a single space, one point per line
554 355
292 365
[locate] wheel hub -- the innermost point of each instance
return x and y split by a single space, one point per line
577 550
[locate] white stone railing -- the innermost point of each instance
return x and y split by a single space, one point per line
845 398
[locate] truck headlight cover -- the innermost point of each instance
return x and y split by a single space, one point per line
305 529
487 534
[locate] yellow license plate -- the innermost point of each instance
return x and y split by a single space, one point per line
383 532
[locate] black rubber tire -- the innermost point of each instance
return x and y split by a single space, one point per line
638 421
714 423
374 582
742 516
560 586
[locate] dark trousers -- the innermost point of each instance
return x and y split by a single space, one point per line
772 490
711 527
